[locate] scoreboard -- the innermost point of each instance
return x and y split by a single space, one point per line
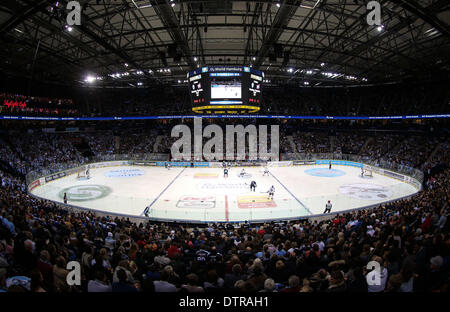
225 90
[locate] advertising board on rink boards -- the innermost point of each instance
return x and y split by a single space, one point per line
339 163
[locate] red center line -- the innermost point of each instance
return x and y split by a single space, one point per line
226 209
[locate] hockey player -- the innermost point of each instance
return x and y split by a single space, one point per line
225 173
266 171
328 207
242 174
253 186
329 167
87 173
362 172
271 192
167 166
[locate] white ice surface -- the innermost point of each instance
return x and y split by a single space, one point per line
176 194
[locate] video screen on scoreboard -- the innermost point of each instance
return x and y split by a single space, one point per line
226 88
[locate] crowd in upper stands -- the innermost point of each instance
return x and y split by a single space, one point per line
409 239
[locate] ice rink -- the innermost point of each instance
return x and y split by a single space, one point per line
204 194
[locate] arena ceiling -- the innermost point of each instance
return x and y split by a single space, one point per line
141 42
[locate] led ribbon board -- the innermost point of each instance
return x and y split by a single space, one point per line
45 118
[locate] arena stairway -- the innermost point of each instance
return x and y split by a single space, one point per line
292 144
363 148
434 152
82 147
397 147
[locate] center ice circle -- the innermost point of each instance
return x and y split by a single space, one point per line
325 172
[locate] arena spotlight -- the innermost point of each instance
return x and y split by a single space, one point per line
89 79
195 59
380 28
278 4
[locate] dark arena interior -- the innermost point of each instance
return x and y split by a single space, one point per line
235 147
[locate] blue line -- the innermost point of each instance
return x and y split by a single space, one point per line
290 193
165 189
